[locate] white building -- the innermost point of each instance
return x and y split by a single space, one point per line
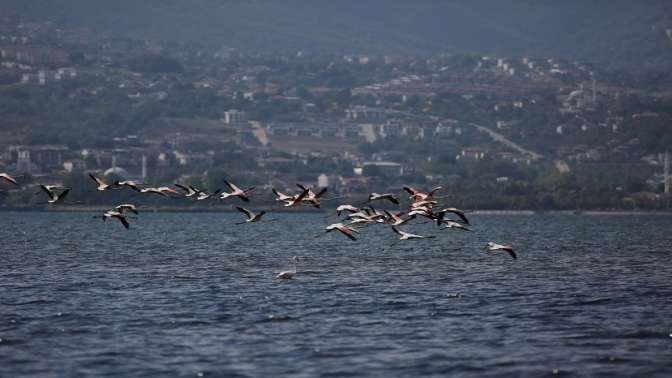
365 114
235 117
323 181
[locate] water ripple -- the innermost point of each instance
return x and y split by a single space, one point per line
191 295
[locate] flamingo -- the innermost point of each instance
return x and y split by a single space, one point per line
236 192
251 217
202 196
408 236
51 188
127 183
167 189
458 212
162 191
451 224
312 197
395 219
8 178
420 196
375 212
296 200
363 213
53 196
425 212
385 196
348 208
501 247
365 221
370 215
423 203
289 274
126 207
281 197
102 186
190 190
343 229
366 218
116 215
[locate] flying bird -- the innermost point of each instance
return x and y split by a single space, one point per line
8 178
51 188
126 207
424 212
423 203
395 219
296 200
202 196
53 196
367 214
102 185
500 247
343 229
417 195
162 191
371 217
385 196
281 197
442 213
190 190
251 217
365 221
348 208
129 184
408 236
312 197
236 192
116 215
459 226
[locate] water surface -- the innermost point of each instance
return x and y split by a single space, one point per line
187 295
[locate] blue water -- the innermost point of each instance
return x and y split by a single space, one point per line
187 295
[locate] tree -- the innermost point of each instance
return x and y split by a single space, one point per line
155 64
344 97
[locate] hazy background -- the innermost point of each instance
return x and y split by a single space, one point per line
621 33
510 104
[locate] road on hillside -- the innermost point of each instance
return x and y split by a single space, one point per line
502 139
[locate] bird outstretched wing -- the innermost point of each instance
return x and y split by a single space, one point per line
247 212
49 192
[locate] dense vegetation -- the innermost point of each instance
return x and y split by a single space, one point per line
141 87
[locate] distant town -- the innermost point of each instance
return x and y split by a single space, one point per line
497 132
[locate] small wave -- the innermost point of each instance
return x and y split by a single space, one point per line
189 323
5 342
638 334
645 334
592 302
33 302
179 277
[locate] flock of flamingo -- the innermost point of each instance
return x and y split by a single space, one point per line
422 205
